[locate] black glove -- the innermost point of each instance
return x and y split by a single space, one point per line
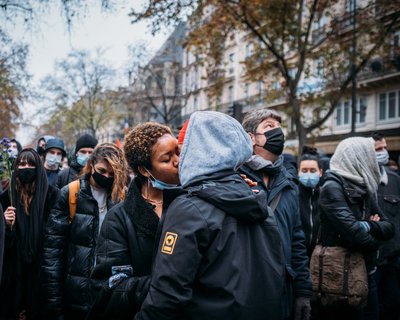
302 308
376 230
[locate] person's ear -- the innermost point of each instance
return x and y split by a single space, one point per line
252 137
143 172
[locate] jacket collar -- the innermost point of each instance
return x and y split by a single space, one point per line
139 211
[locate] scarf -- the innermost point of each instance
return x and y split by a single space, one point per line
354 159
270 168
29 228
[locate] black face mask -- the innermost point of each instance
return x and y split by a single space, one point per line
27 175
40 150
275 141
103 181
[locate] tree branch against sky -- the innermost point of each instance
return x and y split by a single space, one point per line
285 47
78 87
155 84
13 83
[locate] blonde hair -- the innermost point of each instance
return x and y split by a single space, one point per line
114 156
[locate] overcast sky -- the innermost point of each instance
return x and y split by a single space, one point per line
53 41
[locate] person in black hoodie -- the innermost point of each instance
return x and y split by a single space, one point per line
128 237
83 149
310 172
70 241
32 200
219 254
350 216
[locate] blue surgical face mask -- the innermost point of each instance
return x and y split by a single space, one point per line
81 159
382 157
309 180
53 161
160 185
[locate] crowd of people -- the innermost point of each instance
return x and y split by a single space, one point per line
217 223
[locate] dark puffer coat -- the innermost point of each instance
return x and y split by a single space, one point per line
69 174
127 238
342 206
69 254
219 257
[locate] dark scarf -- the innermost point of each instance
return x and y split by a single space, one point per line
30 227
142 213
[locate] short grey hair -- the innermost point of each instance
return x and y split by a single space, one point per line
254 118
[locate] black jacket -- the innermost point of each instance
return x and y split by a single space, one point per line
342 206
127 238
219 256
20 280
309 212
389 202
69 254
298 283
69 174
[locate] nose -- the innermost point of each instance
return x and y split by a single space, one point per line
176 161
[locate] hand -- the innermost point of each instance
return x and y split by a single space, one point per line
9 216
249 182
375 217
302 309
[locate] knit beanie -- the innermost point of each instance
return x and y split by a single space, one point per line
85 141
182 133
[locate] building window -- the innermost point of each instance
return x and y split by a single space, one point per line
230 94
187 82
231 63
319 67
382 106
248 50
260 87
349 6
339 116
346 112
343 112
362 109
388 106
196 78
247 90
396 44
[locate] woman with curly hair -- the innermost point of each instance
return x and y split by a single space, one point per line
25 218
127 239
70 239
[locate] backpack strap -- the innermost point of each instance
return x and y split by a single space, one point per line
275 201
73 189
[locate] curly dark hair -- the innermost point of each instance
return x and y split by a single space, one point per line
138 144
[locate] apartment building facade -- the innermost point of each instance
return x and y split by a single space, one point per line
377 90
